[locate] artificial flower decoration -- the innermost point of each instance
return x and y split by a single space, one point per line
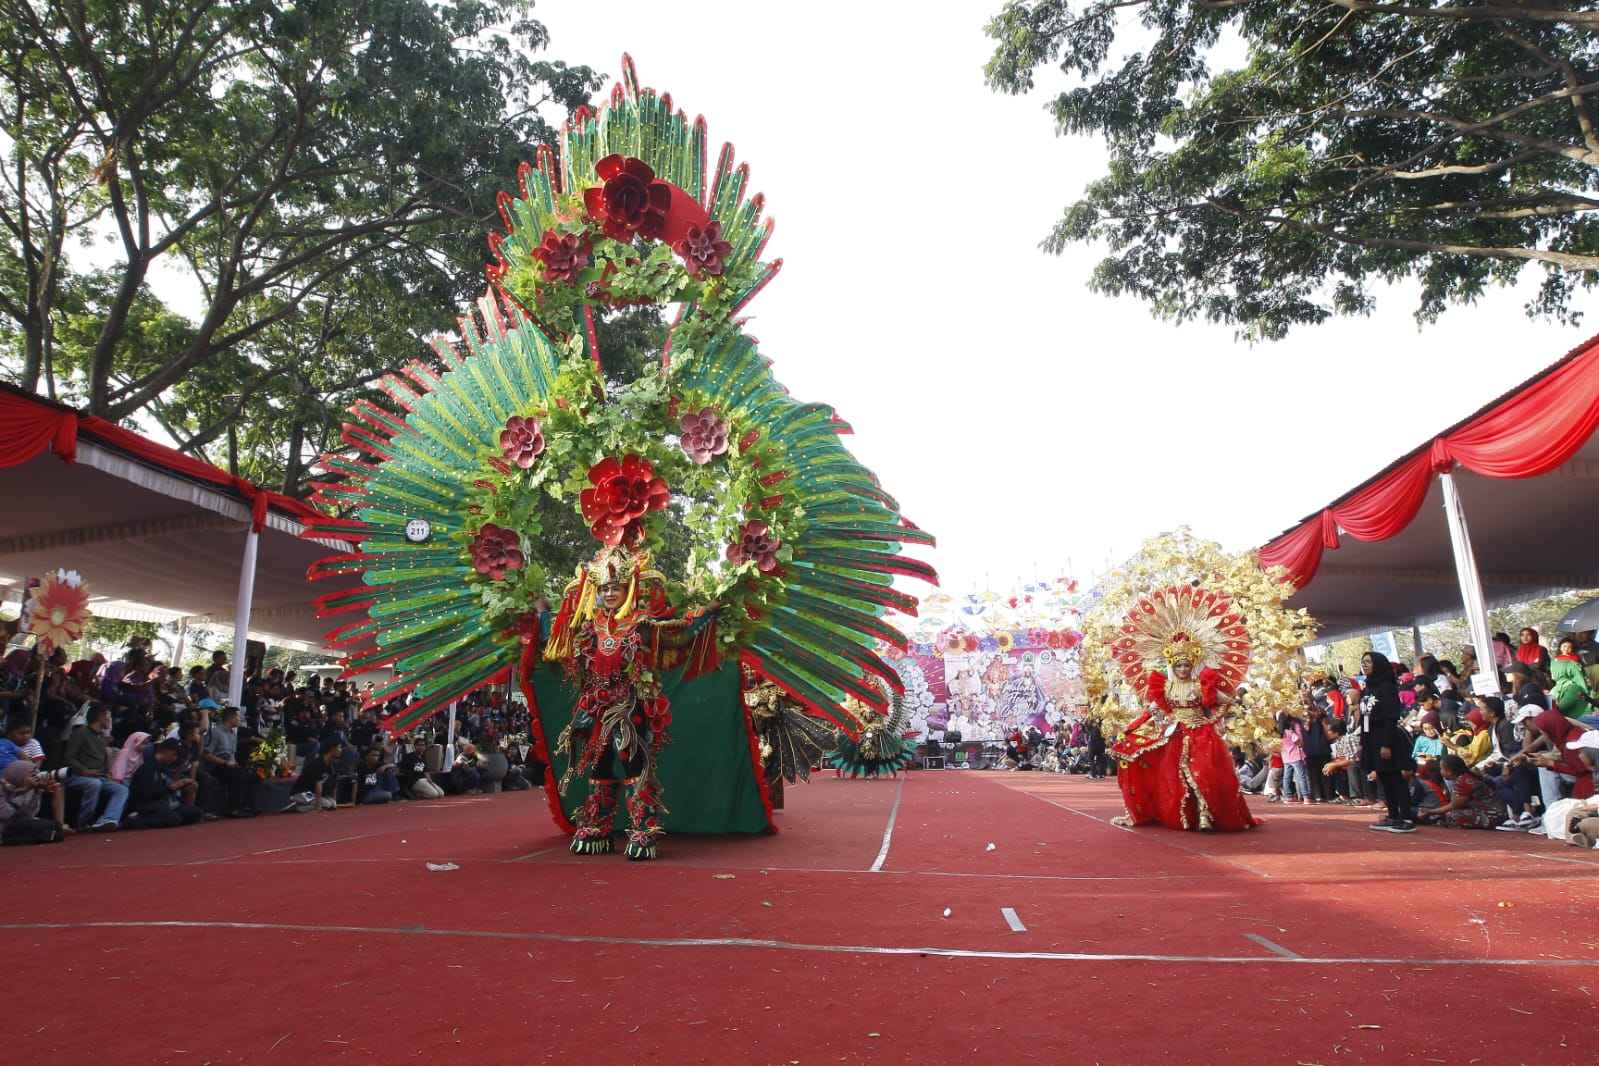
60 608
522 441
703 250
755 544
563 255
631 200
527 628
496 550
621 495
704 435
1004 642
952 640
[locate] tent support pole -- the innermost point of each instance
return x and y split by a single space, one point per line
1415 641
241 619
449 743
1470 580
182 645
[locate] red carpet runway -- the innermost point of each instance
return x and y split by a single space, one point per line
934 918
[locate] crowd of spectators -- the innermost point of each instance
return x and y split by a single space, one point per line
1523 762
129 743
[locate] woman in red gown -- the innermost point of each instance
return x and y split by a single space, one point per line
1176 769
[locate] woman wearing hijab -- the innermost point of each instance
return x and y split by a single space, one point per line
1479 745
1385 751
125 763
1548 737
1531 652
1570 691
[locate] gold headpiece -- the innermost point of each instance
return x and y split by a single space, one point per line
1183 650
1183 622
616 565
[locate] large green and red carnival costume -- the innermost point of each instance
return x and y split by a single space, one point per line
792 540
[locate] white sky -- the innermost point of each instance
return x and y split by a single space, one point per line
1031 425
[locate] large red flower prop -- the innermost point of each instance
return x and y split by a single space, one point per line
623 493
756 544
703 249
522 441
631 200
496 550
563 255
59 610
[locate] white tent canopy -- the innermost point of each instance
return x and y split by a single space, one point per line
156 541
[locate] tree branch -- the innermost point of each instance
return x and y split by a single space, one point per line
1560 259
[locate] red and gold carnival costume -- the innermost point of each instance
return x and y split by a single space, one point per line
1175 767
620 722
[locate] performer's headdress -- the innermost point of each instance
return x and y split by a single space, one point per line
1183 623
614 564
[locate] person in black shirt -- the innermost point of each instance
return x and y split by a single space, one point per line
375 781
153 794
314 789
414 778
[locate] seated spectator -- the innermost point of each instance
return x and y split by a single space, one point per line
89 770
223 762
128 757
300 732
1427 790
516 775
413 772
467 773
336 732
375 780
1474 743
1474 804
1430 745
1514 785
364 731
155 791
20 794
1344 767
200 788
315 787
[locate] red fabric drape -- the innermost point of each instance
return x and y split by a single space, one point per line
28 427
1526 434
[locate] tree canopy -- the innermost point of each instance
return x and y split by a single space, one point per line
321 173
1271 159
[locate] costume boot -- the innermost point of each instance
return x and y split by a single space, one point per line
645 810
594 821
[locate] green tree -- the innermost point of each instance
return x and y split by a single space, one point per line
321 171
1355 142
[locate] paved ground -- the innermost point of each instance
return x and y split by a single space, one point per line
930 918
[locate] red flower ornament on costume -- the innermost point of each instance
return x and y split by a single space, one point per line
496 550
704 435
527 628
631 200
755 544
563 255
623 492
522 441
703 250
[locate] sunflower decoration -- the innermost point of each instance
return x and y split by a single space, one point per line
1233 614
58 610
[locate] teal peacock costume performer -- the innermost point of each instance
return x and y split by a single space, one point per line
636 679
879 747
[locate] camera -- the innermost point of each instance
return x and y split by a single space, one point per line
55 776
